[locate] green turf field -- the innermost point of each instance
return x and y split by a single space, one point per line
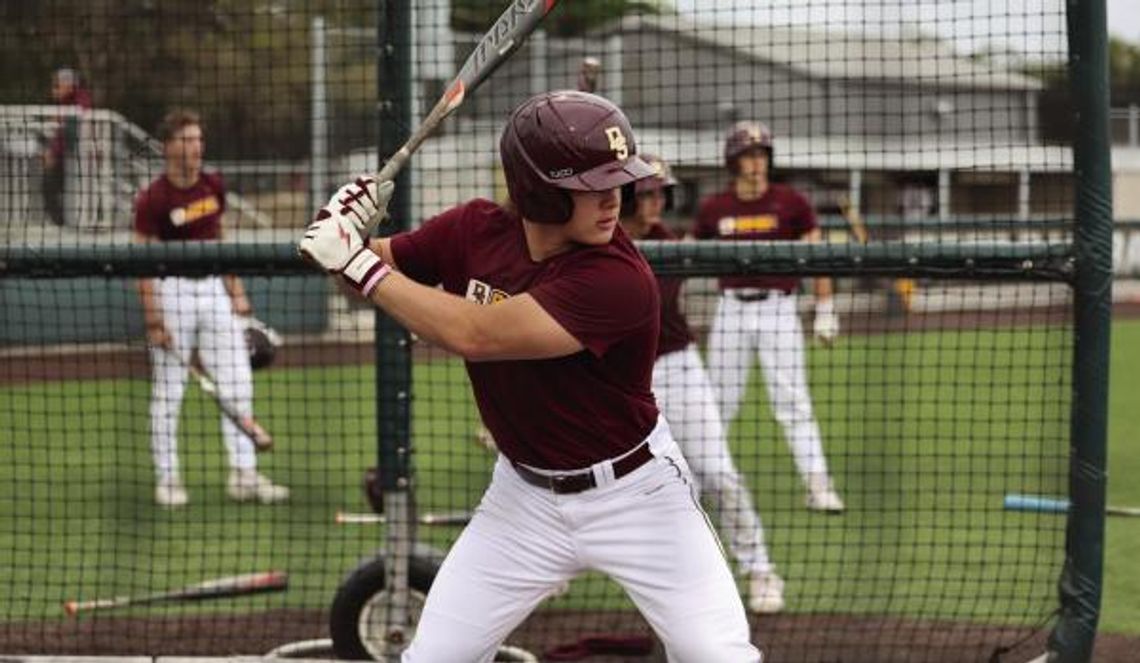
77 520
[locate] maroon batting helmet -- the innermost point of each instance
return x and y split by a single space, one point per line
661 180
563 141
745 136
662 177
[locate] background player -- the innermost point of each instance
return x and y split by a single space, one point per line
688 403
62 177
757 314
556 314
181 314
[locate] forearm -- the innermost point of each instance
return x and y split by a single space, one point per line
439 317
236 290
152 313
822 285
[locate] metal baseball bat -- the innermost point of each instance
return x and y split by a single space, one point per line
1037 503
240 585
508 33
854 222
262 440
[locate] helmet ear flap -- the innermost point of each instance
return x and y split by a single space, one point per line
551 206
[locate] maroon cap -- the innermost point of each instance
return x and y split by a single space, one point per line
566 141
745 136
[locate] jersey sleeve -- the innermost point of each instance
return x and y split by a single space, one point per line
600 300
804 220
218 186
705 225
422 254
145 222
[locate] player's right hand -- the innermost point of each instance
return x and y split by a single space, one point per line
157 336
364 202
826 324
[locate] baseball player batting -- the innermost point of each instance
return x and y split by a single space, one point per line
184 313
557 316
757 315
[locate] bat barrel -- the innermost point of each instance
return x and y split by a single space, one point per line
1015 502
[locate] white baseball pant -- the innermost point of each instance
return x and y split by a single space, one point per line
645 530
198 314
688 402
770 329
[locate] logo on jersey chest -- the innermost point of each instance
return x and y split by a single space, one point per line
483 293
197 209
741 225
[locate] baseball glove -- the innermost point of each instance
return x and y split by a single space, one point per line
262 342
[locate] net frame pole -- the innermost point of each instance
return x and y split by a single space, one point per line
1081 581
393 342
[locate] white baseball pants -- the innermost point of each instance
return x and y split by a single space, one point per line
198 314
688 402
645 530
770 329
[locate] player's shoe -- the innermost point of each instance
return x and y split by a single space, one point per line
170 492
821 495
251 485
765 593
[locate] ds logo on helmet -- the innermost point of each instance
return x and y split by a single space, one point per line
617 142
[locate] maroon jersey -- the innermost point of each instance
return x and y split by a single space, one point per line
166 212
675 332
567 412
782 213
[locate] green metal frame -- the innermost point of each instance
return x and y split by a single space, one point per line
1052 261
1081 580
393 342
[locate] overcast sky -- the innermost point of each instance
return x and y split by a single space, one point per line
1034 27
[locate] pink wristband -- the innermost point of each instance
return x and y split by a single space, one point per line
364 271
375 279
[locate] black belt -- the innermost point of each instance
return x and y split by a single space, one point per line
758 296
576 482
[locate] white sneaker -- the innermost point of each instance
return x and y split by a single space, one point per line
821 495
765 593
169 491
250 485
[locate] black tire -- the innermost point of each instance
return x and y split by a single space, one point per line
351 619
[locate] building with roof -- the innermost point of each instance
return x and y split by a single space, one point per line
894 125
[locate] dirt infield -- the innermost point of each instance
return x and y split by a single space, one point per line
785 638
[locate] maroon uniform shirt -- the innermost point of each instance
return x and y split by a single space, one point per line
675 332
166 212
567 412
782 213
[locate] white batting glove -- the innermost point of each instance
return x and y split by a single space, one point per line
332 241
826 325
364 202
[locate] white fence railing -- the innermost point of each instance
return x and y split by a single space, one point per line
108 162
106 156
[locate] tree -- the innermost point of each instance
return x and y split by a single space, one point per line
1124 71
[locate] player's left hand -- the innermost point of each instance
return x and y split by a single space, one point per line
826 324
364 202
